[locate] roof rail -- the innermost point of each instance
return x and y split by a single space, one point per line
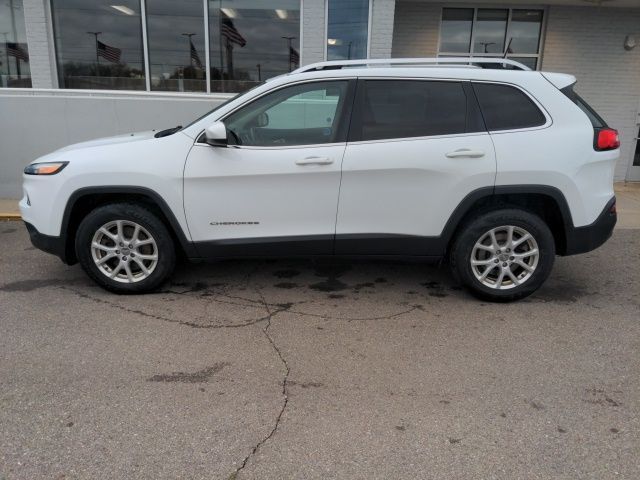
417 62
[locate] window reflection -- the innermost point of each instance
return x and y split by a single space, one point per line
455 33
175 33
347 29
252 41
99 44
14 54
524 31
489 30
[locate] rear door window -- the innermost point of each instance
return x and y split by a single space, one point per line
507 108
389 109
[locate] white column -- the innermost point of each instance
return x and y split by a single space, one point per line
38 25
313 31
381 35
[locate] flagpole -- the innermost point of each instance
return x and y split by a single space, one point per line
15 36
189 35
6 50
220 13
288 39
95 34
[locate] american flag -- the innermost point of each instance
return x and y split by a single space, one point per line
294 56
108 52
16 50
195 57
228 30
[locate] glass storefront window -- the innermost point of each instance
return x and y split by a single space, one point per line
347 29
524 31
14 59
176 41
99 44
455 32
489 30
492 32
251 41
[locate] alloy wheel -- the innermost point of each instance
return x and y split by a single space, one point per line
124 251
504 257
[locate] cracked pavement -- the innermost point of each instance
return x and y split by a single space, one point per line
274 369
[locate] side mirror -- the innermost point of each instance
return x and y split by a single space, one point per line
216 135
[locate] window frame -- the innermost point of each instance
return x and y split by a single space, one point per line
326 30
344 117
543 32
472 110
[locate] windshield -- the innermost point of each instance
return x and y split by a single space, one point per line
226 102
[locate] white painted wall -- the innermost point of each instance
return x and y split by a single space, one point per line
36 122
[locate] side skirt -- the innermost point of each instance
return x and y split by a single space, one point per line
365 245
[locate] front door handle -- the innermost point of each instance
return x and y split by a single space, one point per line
465 152
315 161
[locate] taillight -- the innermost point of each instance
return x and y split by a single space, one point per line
606 139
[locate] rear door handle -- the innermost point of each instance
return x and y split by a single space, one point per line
315 161
465 152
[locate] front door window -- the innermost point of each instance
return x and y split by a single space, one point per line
304 114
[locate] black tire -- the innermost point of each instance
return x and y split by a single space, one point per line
470 233
164 247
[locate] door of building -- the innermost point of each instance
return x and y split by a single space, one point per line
633 174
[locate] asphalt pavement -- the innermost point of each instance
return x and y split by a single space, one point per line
300 369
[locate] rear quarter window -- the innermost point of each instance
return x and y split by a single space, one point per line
507 108
595 119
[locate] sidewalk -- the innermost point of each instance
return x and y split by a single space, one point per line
628 195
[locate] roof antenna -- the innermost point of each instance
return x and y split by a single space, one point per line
508 49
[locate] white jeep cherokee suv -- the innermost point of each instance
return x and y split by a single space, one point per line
480 161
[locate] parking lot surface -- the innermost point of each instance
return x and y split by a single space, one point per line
299 369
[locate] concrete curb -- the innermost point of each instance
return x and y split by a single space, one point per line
10 216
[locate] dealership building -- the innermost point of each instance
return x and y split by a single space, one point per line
71 70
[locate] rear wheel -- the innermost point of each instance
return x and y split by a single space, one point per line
503 255
125 248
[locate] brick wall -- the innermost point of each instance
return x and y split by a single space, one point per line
41 56
313 31
588 43
416 29
382 28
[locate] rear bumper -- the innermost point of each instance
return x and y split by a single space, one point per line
47 243
587 238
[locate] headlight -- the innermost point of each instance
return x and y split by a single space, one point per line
48 168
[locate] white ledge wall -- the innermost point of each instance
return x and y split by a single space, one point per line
35 122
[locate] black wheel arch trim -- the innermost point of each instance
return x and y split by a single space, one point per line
467 203
188 247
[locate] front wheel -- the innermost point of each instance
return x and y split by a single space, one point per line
503 255
125 248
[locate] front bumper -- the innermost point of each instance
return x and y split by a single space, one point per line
587 238
48 243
